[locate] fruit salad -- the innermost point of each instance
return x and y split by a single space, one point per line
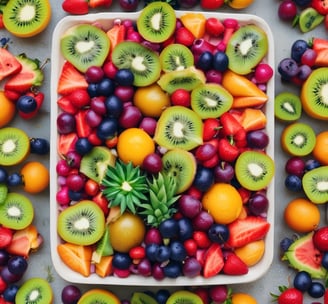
163 159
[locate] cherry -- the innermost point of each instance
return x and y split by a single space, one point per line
287 10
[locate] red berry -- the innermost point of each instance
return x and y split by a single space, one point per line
201 239
320 239
211 4
79 98
184 36
181 97
287 10
214 27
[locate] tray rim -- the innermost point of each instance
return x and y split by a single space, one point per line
255 272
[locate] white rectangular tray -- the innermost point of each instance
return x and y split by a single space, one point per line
57 60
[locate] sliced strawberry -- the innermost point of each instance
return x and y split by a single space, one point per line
70 79
9 64
30 75
100 3
6 236
66 143
213 261
230 125
116 34
184 36
65 104
244 231
233 265
227 151
76 7
79 98
82 128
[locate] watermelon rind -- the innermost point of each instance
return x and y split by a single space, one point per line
303 256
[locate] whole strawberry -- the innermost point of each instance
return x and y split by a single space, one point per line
288 296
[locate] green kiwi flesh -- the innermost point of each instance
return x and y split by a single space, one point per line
182 166
309 19
298 139
143 62
210 100
313 96
103 247
254 170
142 298
85 45
287 107
315 185
34 291
3 193
246 48
94 164
16 212
82 223
14 146
184 297
26 18
179 127
187 79
176 57
157 22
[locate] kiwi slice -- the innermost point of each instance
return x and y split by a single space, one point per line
309 19
157 22
82 223
142 61
210 100
184 297
313 94
103 247
246 48
3 193
35 291
315 185
97 295
26 18
142 298
16 212
179 127
94 164
176 57
254 170
298 139
287 107
14 146
182 166
85 45
187 79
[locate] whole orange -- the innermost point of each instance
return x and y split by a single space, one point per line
320 150
223 202
134 145
8 110
35 177
242 298
301 215
151 100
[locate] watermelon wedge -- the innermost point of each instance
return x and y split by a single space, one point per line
9 65
303 256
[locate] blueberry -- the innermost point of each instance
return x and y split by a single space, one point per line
218 233
14 179
205 61
178 251
220 61
114 106
316 290
17 265
162 295
152 252
9 293
39 146
169 228
311 164
285 243
26 104
107 128
75 195
3 175
105 87
83 146
93 90
303 3
298 48
324 261
173 269
204 178
124 77
4 41
121 260
288 68
302 281
163 253
293 183
185 228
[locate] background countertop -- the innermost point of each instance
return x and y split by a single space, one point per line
40 47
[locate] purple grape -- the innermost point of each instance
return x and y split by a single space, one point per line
188 3
130 117
202 221
191 267
129 5
94 74
304 72
4 257
125 93
75 182
189 206
218 293
73 159
258 204
214 76
287 10
295 165
65 123
92 118
153 236
152 163
224 172
288 68
97 104
144 267
8 276
148 124
70 294
158 272
258 139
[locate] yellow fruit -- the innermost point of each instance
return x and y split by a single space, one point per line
151 100
35 177
223 202
320 150
251 253
195 23
134 145
239 4
8 110
302 215
126 232
242 298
